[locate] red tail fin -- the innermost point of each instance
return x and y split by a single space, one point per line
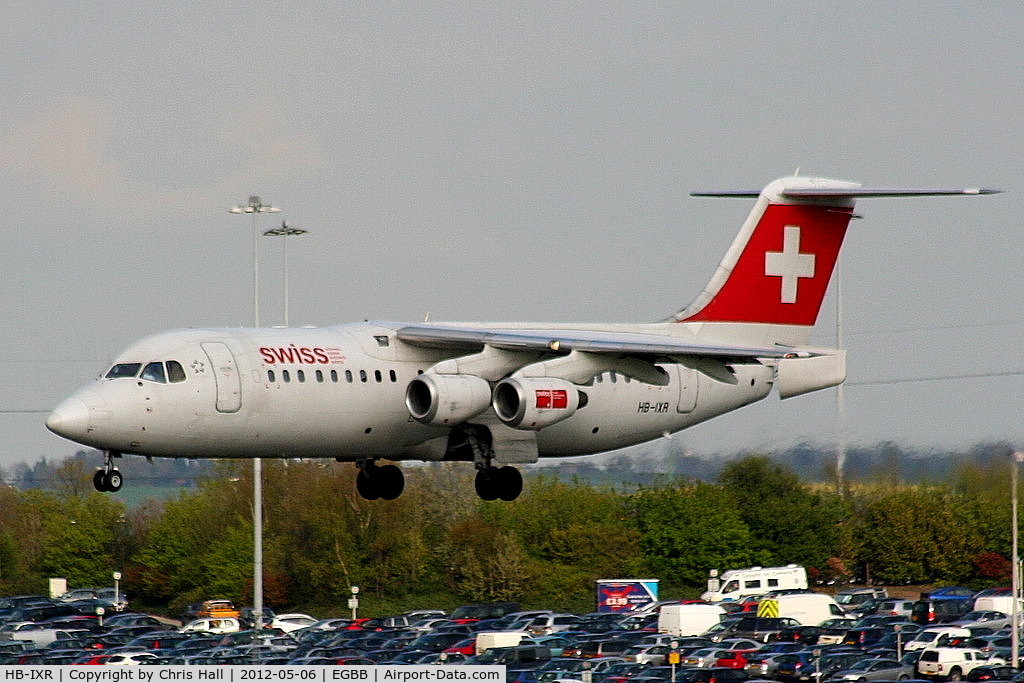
778 268
784 268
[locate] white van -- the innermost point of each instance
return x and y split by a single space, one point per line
810 609
486 640
737 584
996 603
688 620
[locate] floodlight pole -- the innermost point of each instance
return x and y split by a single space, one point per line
255 206
284 232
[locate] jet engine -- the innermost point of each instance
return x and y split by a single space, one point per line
443 400
535 403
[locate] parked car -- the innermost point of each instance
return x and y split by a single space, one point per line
547 624
703 658
895 607
865 638
292 621
937 636
713 675
932 611
986 618
762 665
732 659
619 672
851 598
757 628
881 669
647 654
597 648
994 672
952 663
949 593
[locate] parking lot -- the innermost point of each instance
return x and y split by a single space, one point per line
874 642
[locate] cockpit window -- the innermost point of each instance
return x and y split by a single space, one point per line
175 372
154 372
123 370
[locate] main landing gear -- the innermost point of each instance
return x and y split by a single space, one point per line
375 482
108 479
493 483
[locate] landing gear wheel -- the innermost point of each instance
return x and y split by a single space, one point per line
487 483
511 483
114 481
390 481
107 481
366 485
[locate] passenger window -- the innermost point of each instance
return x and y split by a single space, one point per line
393 375
175 373
334 375
301 375
286 376
270 376
377 376
348 376
319 375
154 372
123 370
362 375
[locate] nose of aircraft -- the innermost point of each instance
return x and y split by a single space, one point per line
70 419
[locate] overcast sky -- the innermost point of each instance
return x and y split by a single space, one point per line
512 161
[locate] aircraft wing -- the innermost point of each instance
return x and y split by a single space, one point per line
566 340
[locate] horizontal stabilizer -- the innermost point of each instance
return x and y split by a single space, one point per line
852 192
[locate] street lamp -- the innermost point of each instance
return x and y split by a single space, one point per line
284 232
256 207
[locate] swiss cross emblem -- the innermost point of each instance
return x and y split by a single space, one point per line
789 264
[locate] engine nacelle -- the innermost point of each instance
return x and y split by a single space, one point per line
444 400
535 403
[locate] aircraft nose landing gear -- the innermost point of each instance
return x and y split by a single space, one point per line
108 479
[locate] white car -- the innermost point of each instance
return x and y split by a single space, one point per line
212 625
292 622
130 658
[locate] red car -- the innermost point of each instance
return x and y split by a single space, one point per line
464 647
733 659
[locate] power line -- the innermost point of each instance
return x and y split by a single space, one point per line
936 378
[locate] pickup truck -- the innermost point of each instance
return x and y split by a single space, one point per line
952 663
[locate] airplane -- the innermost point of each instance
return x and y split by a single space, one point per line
497 395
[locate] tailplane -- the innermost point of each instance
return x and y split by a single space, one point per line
778 268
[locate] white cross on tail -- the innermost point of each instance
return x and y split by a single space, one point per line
789 264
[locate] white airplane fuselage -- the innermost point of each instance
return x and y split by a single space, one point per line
339 392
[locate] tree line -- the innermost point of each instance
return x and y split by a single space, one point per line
438 545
